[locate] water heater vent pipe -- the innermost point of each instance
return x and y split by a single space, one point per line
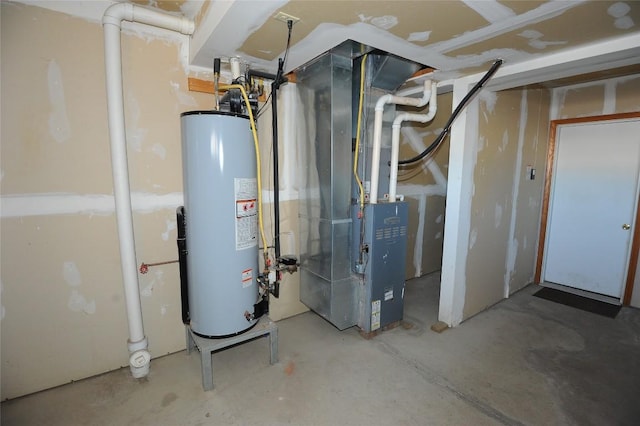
395 137
139 356
377 131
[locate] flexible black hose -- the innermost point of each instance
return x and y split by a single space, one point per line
456 112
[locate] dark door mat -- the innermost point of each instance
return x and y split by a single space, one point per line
579 302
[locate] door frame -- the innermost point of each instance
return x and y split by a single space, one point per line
544 216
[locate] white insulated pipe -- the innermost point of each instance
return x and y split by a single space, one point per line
139 356
377 131
395 138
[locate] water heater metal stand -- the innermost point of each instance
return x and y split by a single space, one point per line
207 346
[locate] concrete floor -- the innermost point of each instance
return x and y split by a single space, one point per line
524 361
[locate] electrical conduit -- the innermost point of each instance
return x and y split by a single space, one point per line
377 131
395 136
139 356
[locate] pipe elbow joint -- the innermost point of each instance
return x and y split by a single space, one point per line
116 13
397 122
382 101
187 26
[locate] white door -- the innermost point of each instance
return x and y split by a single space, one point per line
593 205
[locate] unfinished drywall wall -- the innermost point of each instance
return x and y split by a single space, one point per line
512 136
425 194
610 96
64 316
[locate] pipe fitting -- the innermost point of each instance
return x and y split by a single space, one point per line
139 358
115 14
139 362
136 346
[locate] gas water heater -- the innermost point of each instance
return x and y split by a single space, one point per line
219 223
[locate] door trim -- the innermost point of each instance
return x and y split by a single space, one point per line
544 215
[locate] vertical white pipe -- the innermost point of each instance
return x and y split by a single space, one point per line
377 146
395 148
395 137
235 68
377 131
139 355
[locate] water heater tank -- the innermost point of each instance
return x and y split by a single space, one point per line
221 211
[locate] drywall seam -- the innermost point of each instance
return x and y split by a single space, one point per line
610 88
490 10
286 195
512 248
535 41
414 190
557 101
77 302
543 12
416 142
609 106
24 205
59 127
587 84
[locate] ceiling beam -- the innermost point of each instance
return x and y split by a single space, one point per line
600 56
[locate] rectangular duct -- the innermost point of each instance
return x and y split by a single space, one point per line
325 190
329 89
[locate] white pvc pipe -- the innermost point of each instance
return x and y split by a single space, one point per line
235 68
377 131
395 137
375 155
139 356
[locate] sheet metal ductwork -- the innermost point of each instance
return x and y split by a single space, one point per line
329 87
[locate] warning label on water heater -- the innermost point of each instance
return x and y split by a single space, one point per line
247 277
246 200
